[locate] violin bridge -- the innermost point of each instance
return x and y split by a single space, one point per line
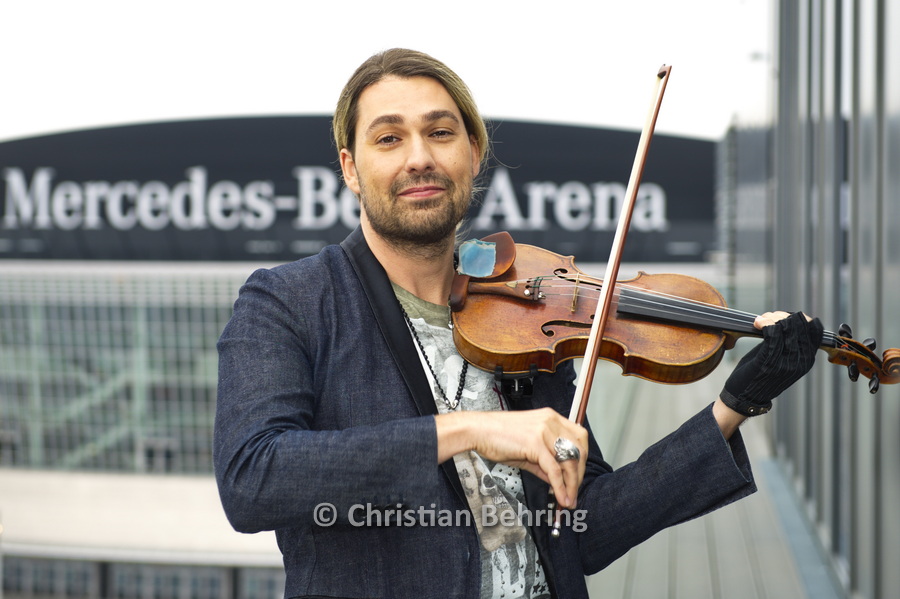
575 294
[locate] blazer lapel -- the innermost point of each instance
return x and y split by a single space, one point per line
384 304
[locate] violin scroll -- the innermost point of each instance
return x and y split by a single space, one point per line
860 358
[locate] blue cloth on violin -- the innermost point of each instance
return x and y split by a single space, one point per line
477 258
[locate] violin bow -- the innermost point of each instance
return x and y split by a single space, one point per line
598 327
604 303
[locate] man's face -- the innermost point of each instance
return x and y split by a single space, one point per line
413 163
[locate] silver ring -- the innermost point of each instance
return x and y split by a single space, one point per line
566 450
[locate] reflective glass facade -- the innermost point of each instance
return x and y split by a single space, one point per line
32 578
112 368
822 179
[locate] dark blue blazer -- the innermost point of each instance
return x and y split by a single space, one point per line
325 423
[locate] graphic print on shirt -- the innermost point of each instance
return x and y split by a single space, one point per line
510 564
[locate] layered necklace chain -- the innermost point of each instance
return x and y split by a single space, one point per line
452 405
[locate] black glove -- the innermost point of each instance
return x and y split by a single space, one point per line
787 352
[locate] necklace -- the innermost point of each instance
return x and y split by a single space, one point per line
462 375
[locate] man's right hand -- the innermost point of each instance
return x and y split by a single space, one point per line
523 439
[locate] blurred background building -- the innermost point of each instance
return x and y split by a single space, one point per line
123 249
107 394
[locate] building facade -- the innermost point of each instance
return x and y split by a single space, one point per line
807 221
107 396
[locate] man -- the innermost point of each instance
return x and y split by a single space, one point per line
348 423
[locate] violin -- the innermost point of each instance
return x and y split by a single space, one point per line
666 328
531 309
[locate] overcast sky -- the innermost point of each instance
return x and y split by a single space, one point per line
85 63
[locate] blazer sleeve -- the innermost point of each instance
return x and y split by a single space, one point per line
273 468
689 473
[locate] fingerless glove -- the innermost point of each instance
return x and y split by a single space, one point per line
787 352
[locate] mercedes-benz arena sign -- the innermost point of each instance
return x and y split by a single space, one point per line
269 188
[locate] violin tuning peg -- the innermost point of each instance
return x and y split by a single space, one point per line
845 331
870 343
853 372
874 383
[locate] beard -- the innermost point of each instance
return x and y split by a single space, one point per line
421 225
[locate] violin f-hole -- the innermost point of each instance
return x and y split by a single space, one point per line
547 327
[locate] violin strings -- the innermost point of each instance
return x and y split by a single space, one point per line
636 296
667 306
697 313
654 294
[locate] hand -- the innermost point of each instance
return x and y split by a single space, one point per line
522 439
787 352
